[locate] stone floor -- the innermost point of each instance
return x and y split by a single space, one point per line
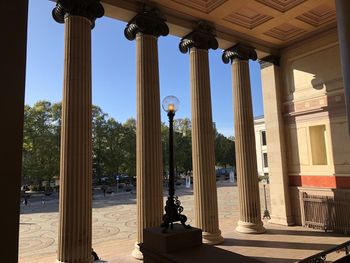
114 230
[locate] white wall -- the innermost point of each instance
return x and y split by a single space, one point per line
259 127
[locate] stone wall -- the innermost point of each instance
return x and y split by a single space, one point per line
316 139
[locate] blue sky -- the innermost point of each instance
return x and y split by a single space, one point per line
113 70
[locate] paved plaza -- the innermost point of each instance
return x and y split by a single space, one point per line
114 229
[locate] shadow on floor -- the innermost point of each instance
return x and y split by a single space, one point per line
310 232
276 260
275 244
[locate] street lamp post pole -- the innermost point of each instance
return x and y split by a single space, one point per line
173 206
266 212
171 115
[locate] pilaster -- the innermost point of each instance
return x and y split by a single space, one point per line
279 191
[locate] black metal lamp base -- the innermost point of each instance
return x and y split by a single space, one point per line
173 214
266 214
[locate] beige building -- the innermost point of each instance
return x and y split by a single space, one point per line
304 50
261 146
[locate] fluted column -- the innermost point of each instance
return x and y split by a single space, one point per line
75 207
146 27
246 166
203 154
343 23
13 75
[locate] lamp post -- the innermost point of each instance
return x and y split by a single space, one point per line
173 206
266 212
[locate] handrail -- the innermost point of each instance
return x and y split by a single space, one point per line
321 256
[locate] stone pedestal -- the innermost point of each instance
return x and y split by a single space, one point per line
74 241
184 246
157 244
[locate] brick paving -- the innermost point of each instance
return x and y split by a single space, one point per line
114 230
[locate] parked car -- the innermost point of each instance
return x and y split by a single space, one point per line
122 178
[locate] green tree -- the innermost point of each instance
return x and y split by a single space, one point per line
113 153
128 145
99 142
182 146
40 144
224 150
183 126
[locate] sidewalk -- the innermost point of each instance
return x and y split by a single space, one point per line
114 231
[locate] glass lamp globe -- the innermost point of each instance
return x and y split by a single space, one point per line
170 104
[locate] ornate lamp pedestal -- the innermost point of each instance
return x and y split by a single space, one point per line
159 243
173 208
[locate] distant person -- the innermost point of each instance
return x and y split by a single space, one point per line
25 200
104 191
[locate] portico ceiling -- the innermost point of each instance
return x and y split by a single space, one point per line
266 24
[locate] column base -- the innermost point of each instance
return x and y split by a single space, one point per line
91 260
250 228
136 253
212 238
284 221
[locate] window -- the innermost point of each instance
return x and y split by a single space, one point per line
318 144
265 160
263 138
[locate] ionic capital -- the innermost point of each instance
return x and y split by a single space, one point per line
239 52
148 22
90 9
202 38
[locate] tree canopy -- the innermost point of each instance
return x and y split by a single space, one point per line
114 145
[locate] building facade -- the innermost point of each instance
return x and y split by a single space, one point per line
303 47
261 147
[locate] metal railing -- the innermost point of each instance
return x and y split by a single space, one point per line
326 212
322 256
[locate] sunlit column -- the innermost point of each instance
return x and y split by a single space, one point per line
75 207
281 212
246 166
198 43
146 27
343 22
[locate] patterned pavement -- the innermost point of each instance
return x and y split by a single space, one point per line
114 229
113 218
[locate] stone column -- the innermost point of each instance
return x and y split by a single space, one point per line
13 69
281 212
75 207
146 27
203 154
343 22
247 174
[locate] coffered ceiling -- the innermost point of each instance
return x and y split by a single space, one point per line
268 24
